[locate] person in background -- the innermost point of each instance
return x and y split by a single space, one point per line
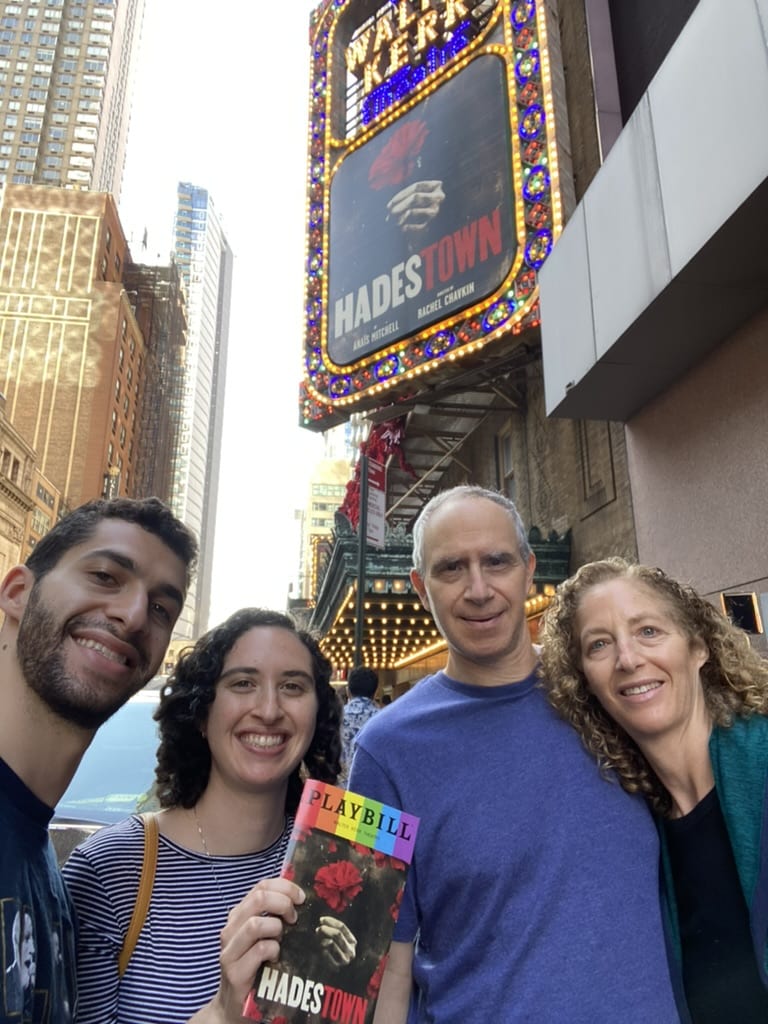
362 684
248 712
533 893
87 622
670 696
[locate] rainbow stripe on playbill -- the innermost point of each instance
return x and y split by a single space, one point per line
358 819
350 855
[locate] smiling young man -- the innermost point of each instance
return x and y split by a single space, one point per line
533 894
87 622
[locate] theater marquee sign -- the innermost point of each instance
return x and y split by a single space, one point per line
433 194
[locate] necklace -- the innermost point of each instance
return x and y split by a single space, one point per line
210 861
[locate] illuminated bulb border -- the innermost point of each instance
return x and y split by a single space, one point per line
360 380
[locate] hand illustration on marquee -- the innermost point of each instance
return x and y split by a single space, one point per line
415 205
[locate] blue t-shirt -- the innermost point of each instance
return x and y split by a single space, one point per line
534 888
37 984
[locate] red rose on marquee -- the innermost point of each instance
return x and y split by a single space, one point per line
397 160
338 884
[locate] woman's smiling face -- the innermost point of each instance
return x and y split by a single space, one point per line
263 716
637 660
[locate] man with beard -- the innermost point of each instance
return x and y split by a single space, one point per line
88 619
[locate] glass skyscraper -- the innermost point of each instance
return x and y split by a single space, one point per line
204 259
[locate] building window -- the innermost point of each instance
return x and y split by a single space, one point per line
505 463
40 522
45 496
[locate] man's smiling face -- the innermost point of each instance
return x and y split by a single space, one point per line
96 626
475 584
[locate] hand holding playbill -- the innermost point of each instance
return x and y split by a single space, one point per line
350 856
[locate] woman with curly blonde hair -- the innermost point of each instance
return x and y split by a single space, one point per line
670 696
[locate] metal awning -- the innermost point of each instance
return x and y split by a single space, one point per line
440 421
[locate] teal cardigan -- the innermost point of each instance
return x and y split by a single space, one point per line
739 755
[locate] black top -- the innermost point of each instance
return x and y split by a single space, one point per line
720 972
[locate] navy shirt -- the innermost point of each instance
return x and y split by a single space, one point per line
37 983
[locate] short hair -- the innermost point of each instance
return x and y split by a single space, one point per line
734 678
362 682
150 514
465 491
184 757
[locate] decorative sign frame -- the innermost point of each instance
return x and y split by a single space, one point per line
370 339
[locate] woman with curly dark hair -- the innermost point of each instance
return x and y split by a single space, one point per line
670 696
247 714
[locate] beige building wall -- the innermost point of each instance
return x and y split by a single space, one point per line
71 353
17 462
698 459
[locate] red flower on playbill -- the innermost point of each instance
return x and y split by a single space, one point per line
375 983
338 884
394 910
398 159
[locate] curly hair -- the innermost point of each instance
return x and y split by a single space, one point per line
184 757
734 678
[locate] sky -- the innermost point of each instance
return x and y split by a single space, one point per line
223 105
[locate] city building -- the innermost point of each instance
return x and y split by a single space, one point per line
17 464
655 300
612 227
428 322
72 356
204 259
326 488
158 300
66 75
44 513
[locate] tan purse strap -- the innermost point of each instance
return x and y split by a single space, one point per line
146 881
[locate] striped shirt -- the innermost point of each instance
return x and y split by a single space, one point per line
174 970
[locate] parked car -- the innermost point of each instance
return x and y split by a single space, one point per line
116 775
